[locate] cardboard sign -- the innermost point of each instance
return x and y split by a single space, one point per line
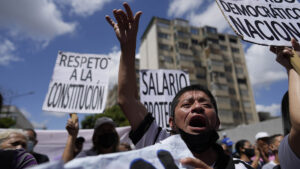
164 155
266 22
79 83
157 90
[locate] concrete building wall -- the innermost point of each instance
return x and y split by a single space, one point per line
149 50
13 112
211 59
248 132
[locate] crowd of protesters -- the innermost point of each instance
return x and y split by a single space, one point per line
194 115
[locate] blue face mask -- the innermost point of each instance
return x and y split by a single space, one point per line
30 146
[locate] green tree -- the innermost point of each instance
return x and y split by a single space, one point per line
113 112
7 122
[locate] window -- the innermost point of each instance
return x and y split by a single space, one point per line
217 63
168 59
234 103
232 91
225 113
228 69
164 47
200 76
222 37
242 81
163 35
197 63
183 34
194 41
163 25
194 31
186 57
239 70
233 40
249 116
237 60
235 50
229 79
246 104
244 93
223 47
217 86
223 100
212 40
210 30
179 22
183 45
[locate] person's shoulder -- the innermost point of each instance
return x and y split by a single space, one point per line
240 164
85 153
24 159
40 158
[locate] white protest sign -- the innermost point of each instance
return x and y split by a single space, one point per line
164 155
79 83
157 90
266 22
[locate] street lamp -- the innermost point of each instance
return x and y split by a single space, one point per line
10 98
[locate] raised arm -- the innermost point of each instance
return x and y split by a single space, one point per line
72 128
126 30
283 58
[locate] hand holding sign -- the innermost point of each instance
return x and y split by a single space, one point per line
198 164
288 57
164 157
73 126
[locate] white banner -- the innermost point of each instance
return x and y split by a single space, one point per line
79 83
157 90
53 142
164 155
266 22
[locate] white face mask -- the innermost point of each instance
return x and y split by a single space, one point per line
30 146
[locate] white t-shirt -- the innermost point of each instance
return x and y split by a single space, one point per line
287 158
269 165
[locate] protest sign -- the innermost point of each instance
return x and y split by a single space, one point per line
164 155
79 83
266 22
157 90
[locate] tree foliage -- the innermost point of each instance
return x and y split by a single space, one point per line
113 112
6 122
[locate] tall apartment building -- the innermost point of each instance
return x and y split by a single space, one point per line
212 59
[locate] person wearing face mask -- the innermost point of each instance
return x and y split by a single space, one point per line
274 142
40 158
193 115
105 138
13 143
245 151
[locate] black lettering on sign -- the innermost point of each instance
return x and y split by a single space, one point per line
145 83
74 75
86 76
77 61
160 111
151 85
74 96
63 59
276 30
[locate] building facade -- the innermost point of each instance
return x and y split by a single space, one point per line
212 59
14 113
